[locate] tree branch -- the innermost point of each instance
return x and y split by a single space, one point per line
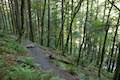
114 5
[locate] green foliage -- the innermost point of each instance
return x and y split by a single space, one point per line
1 62
18 72
76 34
28 60
9 45
97 23
69 67
85 73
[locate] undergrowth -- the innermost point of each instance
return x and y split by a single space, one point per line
8 44
16 65
84 72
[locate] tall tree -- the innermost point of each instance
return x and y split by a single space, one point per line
42 22
17 17
62 26
71 38
39 18
84 33
48 42
30 20
22 20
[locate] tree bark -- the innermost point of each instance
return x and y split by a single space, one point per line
30 21
48 42
42 22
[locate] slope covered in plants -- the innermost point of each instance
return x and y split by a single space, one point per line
15 64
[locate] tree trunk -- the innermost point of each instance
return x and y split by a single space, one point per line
42 22
48 42
22 21
84 33
30 21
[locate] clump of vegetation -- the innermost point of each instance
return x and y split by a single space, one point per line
84 72
8 44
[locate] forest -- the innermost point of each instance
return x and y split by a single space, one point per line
59 39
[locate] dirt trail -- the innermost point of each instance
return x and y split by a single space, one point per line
40 58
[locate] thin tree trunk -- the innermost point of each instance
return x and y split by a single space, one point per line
99 53
77 8
3 20
114 60
84 33
42 22
12 12
97 10
22 21
4 17
71 29
48 42
38 12
8 18
11 16
17 17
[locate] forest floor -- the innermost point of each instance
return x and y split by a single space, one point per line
16 64
63 66
31 61
45 61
